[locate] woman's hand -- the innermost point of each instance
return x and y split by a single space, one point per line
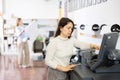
66 68
95 46
22 32
69 67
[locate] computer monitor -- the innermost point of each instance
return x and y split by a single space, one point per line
109 42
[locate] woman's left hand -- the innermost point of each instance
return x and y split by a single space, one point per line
95 46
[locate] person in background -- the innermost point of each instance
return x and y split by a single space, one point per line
22 42
60 50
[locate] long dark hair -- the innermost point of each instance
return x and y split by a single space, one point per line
62 22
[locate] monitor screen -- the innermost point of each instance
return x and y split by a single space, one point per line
109 42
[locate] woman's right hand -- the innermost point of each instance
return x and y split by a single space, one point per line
97 47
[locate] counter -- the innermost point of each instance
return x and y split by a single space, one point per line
83 73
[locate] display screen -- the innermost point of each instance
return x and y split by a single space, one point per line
109 42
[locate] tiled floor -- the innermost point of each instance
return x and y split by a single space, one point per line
9 69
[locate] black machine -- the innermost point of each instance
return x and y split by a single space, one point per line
105 61
38 46
51 33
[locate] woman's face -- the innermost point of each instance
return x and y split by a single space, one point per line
20 23
66 30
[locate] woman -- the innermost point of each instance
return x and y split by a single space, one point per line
60 50
23 55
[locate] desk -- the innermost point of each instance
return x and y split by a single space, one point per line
83 73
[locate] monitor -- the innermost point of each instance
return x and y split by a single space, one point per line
109 42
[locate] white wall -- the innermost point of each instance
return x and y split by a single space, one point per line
104 13
28 9
0 6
